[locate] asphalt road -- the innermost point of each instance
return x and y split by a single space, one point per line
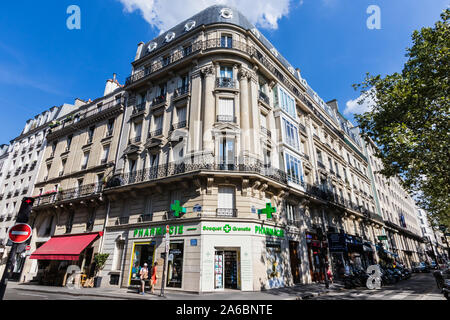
421 286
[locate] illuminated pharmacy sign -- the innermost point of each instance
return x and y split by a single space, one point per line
157 231
246 229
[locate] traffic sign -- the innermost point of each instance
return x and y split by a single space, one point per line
167 229
20 233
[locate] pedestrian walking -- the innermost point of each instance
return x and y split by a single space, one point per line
329 274
154 277
143 275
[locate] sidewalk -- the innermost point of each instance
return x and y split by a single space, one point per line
298 292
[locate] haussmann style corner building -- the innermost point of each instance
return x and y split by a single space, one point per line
217 136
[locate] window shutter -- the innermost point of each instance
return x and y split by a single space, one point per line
226 198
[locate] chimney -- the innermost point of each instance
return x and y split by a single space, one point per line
111 85
114 77
139 50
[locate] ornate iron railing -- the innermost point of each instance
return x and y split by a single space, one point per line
263 97
159 99
74 193
135 140
223 82
179 125
266 131
155 133
226 118
226 212
181 91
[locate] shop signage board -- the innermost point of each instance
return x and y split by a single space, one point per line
242 229
336 242
158 231
382 238
20 233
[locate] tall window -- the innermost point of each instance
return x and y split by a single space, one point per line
226 72
63 167
226 151
118 253
291 134
158 122
105 153
226 198
291 212
294 169
69 141
286 102
319 156
91 134
226 41
330 162
110 127
226 110
263 120
137 131
181 114
85 160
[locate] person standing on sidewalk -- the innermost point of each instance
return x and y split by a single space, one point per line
154 277
143 274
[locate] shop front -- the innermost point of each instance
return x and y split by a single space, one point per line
243 256
56 255
317 256
147 245
338 253
355 252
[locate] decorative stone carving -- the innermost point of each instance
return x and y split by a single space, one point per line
208 71
244 73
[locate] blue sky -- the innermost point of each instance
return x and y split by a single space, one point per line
43 64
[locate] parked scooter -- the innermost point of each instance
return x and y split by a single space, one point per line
443 281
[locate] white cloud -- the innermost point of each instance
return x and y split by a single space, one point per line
165 14
360 105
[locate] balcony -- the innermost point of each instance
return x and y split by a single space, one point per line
138 109
264 98
78 117
266 132
226 212
226 118
145 217
122 221
302 128
181 91
227 83
135 140
69 194
179 125
155 133
159 101
246 164
320 165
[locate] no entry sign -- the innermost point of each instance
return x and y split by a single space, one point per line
19 233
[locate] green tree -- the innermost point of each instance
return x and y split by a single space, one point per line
409 120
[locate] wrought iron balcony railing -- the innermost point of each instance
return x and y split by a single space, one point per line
302 127
135 140
160 99
223 82
266 131
226 212
155 133
70 194
226 118
145 217
179 125
263 97
139 108
181 91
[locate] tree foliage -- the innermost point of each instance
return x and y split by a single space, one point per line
410 121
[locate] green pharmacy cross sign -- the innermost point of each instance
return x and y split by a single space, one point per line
268 210
177 208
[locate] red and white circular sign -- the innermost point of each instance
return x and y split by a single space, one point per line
20 233
167 228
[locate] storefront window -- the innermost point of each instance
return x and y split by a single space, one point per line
274 265
142 253
175 266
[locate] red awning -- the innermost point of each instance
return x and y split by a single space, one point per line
66 247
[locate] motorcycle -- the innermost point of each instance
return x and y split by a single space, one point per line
443 281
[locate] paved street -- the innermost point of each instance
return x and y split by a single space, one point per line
420 286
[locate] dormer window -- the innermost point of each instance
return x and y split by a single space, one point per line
226 13
170 36
152 46
189 25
